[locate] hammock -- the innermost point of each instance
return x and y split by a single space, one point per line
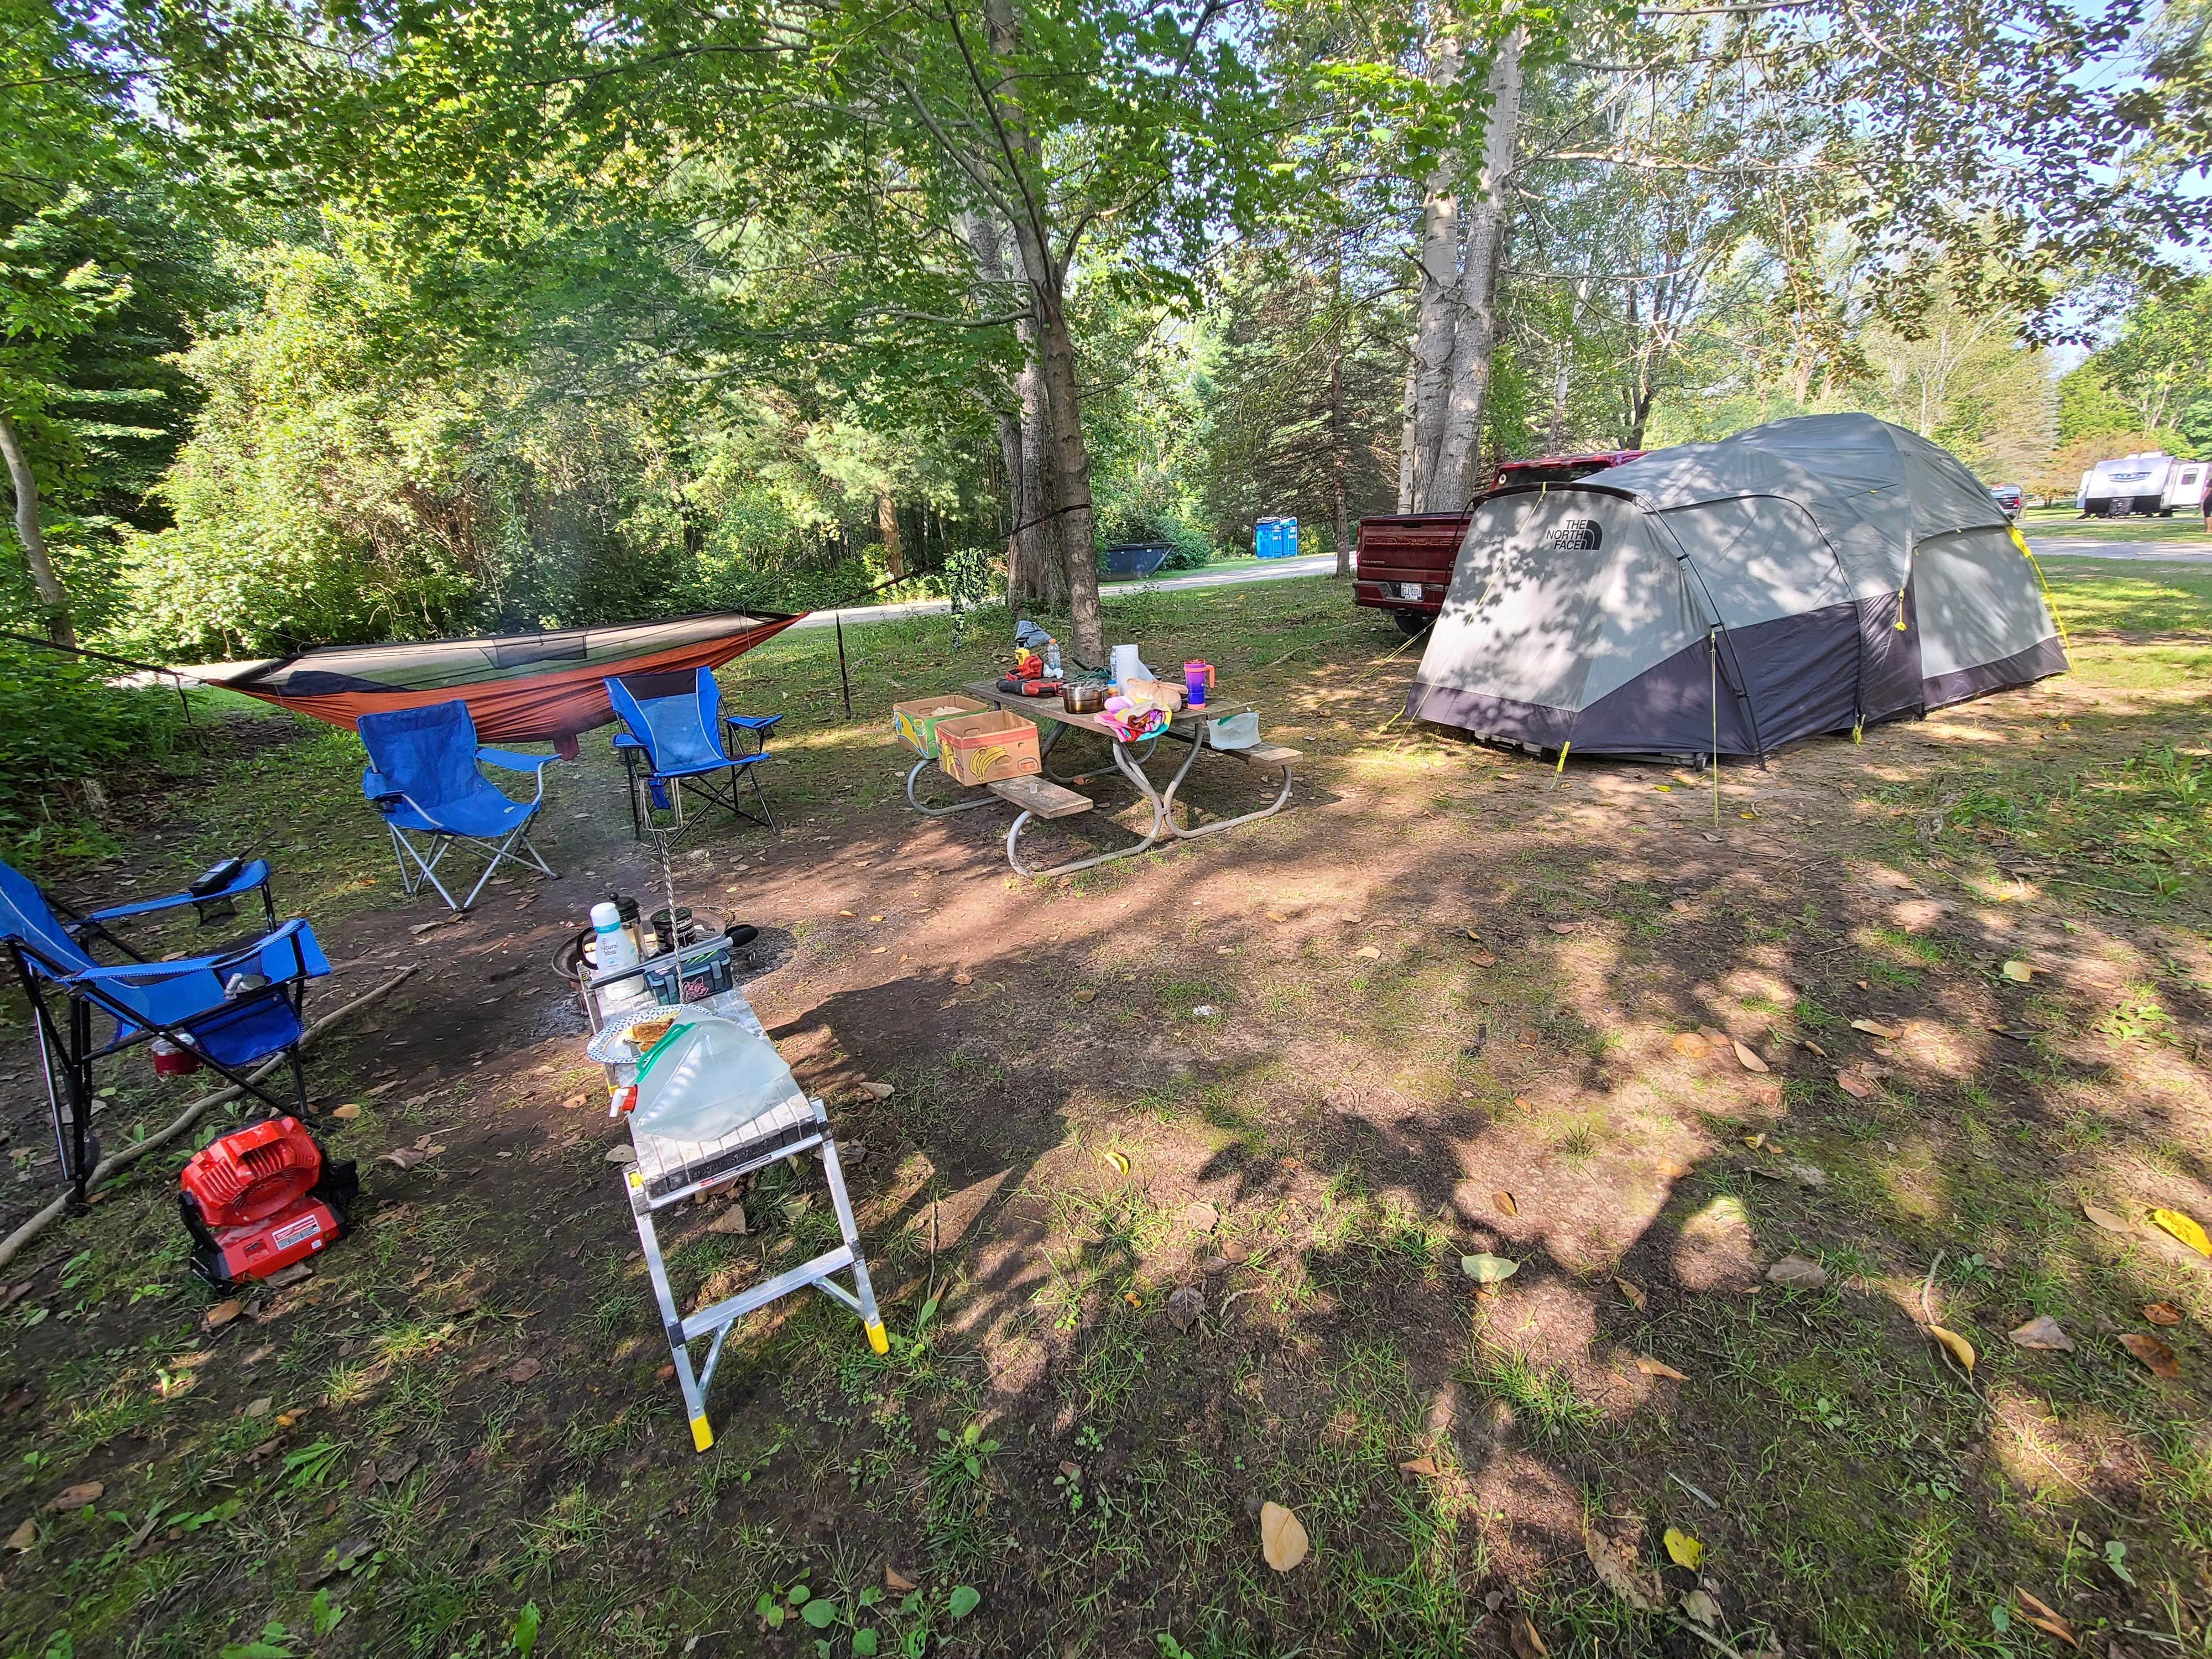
519 688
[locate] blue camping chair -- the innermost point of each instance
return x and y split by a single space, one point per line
673 726
234 1009
423 775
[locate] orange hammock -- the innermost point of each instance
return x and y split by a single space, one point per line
519 688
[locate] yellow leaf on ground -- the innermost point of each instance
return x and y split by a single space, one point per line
2183 1228
351 1109
1635 1296
1505 1201
1682 1549
1115 1160
1420 1466
1691 1046
2156 1357
1959 1348
1875 1028
1282 1537
222 1313
2018 972
1651 1367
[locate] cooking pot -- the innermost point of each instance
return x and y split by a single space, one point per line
1086 699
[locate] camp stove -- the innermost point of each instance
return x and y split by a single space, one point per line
262 1198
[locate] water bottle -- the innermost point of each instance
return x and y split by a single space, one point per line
1052 660
613 951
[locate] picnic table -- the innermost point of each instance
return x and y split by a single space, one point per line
1048 796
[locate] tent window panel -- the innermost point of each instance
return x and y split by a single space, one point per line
1974 602
1760 557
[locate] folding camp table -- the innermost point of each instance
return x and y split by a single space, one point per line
666 1172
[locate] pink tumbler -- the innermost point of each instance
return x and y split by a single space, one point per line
1197 680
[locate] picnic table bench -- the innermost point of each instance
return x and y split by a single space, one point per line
1048 797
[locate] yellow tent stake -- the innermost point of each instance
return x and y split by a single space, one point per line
1562 767
2065 644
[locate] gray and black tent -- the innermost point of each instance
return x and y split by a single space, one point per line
1811 575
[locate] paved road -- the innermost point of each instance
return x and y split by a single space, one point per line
2198 552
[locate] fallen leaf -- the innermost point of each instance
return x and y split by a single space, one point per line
731 1220
2045 1619
2018 972
897 1583
2156 1357
1486 1269
878 1090
73 1499
624 1153
403 1157
259 1407
1418 1466
1807 1042
1746 1058
1283 1539
1115 1160
1701 1608
1088 994
1368 950
1561 926
848 913
1527 1644
1202 1216
958 979
395 1470
422 927
346 1113
1959 1348
1682 1549
1482 959
2161 1313
2183 1228
1798 1273
1185 1303
1619 1571
222 1313
1636 1297
1672 1168
1855 1085
25 1535
1875 1028
1651 1367
2042 1333
1691 1046
1505 1201
523 1370
2104 1219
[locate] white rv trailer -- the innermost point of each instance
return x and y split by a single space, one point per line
2152 483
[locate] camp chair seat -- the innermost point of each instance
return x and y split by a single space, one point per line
425 777
233 1008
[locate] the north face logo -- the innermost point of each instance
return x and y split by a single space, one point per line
1579 535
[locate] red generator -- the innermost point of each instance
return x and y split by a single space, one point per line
260 1199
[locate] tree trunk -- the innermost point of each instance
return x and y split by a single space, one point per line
1044 572
1438 317
1079 546
1010 458
887 524
1406 441
1339 439
53 597
1476 338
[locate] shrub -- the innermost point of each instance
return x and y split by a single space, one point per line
60 723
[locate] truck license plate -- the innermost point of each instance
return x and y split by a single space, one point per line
1409 590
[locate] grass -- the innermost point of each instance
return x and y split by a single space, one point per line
1351 1135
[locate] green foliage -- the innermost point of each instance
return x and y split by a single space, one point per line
59 722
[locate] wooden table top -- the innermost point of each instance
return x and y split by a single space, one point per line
1051 708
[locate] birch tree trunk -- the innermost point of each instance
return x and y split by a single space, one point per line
53 597
1406 442
1476 336
1339 439
1438 314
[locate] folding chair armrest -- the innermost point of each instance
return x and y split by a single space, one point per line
512 760
255 875
379 793
292 952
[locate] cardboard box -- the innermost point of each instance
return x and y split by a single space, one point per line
915 721
984 748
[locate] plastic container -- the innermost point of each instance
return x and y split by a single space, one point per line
614 950
707 1079
697 972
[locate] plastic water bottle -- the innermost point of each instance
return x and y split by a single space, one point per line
1052 660
613 951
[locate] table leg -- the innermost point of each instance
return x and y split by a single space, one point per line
983 799
1282 796
1152 836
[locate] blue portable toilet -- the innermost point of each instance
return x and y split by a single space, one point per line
1275 539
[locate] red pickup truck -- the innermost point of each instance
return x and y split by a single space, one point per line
1403 564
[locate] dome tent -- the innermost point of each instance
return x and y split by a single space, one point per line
1810 575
